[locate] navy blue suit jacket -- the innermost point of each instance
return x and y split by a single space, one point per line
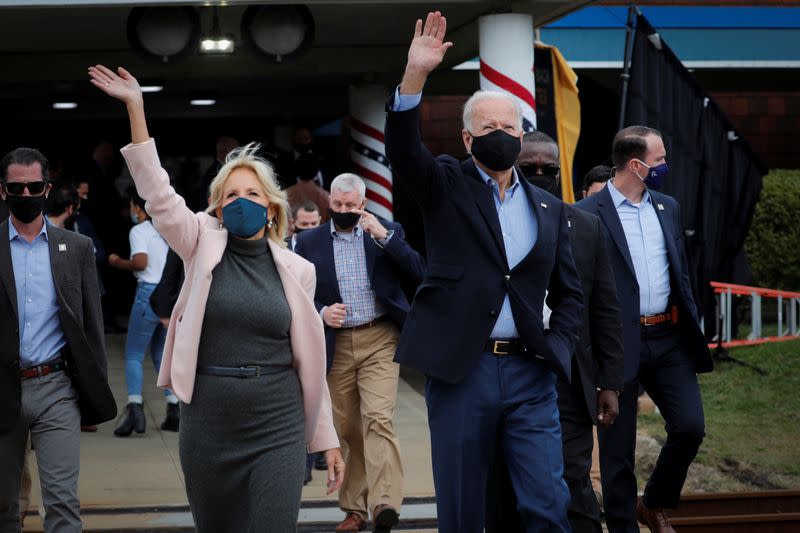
456 307
388 269
693 340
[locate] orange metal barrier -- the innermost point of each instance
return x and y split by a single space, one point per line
786 301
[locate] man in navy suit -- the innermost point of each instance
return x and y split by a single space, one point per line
362 263
664 346
496 246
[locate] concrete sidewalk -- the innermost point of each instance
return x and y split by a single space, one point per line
143 472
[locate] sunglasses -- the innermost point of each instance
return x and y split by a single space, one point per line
533 170
17 188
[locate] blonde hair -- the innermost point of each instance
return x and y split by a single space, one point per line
247 157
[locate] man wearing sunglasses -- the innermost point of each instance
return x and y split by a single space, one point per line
52 354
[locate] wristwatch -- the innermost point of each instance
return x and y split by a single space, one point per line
383 242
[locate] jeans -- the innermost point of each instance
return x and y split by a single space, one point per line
144 329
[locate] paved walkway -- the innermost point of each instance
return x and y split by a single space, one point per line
142 472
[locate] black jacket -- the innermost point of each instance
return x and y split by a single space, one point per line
456 307
75 277
668 212
599 356
389 269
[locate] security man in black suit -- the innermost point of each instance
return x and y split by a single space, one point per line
597 366
664 345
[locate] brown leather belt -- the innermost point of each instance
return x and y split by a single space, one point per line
369 324
42 370
670 316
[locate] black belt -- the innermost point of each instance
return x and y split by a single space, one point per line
505 347
252 371
373 322
43 369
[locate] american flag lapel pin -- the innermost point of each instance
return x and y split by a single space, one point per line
62 247
660 207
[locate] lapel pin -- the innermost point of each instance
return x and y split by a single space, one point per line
569 223
62 247
543 205
660 207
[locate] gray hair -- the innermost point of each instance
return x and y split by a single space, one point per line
480 96
348 182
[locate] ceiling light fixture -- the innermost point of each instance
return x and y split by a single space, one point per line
203 101
152 88
216 42
65 105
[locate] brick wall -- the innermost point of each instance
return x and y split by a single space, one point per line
441 124
770 121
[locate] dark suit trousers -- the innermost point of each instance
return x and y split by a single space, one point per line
667 373
576 429
508 402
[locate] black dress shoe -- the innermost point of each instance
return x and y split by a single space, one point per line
133 421
173 419
384 518
319 462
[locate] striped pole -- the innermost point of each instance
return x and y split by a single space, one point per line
368 151
506 50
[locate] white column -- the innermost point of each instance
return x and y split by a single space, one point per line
368 151
506 50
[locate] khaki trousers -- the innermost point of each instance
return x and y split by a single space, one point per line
363 386
594 473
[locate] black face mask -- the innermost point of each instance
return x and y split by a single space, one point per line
70 220
345 220
547 180
298 231
303 148
25 208
496 150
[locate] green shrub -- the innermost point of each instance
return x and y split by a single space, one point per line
773 245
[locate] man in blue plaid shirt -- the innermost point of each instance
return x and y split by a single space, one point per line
362 264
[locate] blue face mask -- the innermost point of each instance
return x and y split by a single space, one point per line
134 218
655 176
244 218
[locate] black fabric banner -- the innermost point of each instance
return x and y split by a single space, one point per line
714 174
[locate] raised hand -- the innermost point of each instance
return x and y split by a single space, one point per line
425 53
427 48
121 85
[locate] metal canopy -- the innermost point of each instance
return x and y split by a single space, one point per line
46 46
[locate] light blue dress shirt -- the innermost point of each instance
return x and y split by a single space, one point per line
648 250
517 223
41 336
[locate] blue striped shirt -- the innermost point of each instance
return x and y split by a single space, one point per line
41 336
648 250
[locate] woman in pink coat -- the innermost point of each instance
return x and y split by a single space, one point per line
245 351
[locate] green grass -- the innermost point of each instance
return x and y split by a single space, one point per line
750 418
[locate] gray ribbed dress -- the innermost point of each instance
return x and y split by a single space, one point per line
242 439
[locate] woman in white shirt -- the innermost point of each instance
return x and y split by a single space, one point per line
148 255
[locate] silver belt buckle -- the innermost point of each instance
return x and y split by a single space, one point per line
256 368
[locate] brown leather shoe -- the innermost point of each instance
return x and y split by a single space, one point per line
351 523
384 518
655 519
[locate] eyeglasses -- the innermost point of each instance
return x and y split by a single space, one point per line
536 170
17 188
